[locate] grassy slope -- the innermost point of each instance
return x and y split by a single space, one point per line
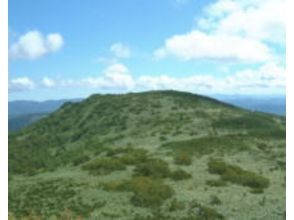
165 124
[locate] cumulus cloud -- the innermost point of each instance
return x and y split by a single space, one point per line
267 78
20 84
47 82
115 76
120 50
34 44
233 30
199 45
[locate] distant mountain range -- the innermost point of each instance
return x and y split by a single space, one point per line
23 113
269 104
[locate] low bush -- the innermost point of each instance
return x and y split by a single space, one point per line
204 212
214 200
237 175
134 157
117 185
155 168
216 183
180 175
175 205
102 166
80 159
183 158
149 192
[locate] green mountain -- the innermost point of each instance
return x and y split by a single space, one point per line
151 155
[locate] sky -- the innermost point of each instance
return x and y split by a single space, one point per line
71 49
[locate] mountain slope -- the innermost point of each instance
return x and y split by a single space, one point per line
163 140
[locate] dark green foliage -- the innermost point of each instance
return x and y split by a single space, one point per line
134 156
175 205
117 185
80 159
180 175
156 168
208 145
216 183
183 158
214 200
204 212
102 166
237 175
149 192
50 198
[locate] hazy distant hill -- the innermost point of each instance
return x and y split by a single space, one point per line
274 104
23 113
151 155
17 108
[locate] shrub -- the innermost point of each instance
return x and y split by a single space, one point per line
117 185
180 175
149 192
135 156
102 166
183 159
216 183
214 200
237 175
176 205
80 159
156 168
204 212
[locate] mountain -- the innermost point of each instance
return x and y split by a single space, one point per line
24 113
151 155
18 122
269 104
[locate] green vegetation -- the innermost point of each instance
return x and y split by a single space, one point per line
180 175
237 175
103 166
150 192
183 158
216 183
208 145
155 168
50 198
147 156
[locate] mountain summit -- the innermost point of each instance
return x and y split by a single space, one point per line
166 149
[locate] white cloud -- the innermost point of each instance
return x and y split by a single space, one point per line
47 82
115 76
21 84
199 45
120 50
233 30
261 20
33 45
269 78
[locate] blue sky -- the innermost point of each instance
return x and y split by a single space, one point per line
67 49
